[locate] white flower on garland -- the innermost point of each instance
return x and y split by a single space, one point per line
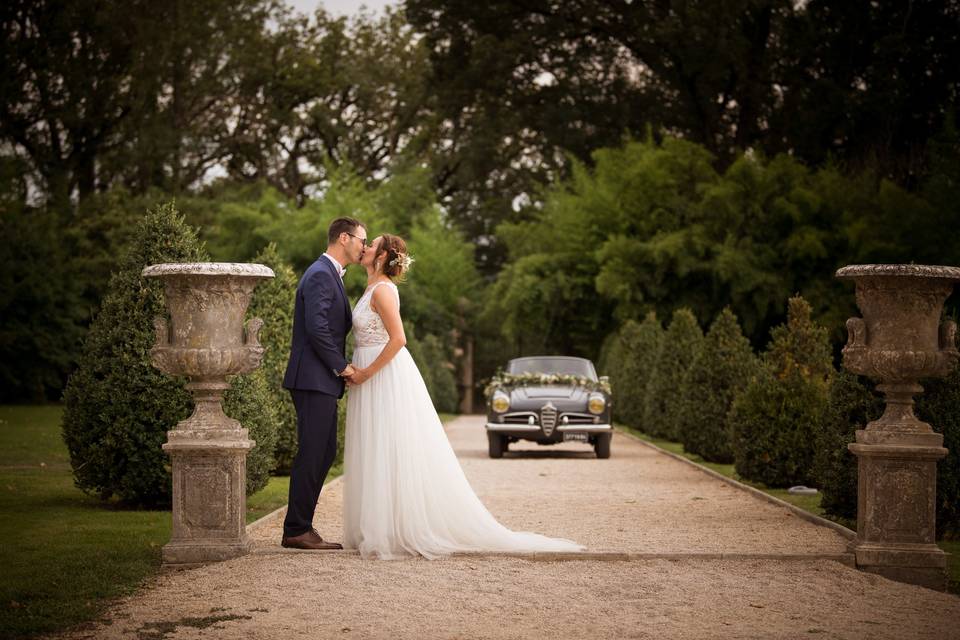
508 381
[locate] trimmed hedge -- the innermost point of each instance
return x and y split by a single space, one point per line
850 405
853 402
443 381
118 406
775 420
435 368
721 369
668 390
637 346
250 401
273 302
940 406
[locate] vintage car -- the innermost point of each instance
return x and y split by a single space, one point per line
549 399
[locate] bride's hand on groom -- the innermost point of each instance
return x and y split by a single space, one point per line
357 376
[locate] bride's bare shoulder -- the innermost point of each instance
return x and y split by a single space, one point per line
384 295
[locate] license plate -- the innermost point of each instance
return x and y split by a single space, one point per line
574 437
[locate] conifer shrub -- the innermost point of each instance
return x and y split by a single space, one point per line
775 420
250 401
939 405
851 404
443 388
609 359
436 370
273 302
118 407
721 369
638 345
668 392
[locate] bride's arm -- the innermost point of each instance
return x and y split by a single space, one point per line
386 304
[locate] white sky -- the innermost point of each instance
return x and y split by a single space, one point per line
339 7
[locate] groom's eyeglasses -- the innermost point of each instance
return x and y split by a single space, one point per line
363 241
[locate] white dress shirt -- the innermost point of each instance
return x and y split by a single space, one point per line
340 269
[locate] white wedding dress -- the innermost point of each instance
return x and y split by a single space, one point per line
404 491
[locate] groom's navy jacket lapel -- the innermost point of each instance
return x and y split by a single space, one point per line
343 291
321 321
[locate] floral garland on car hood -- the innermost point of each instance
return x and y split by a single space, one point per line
502 381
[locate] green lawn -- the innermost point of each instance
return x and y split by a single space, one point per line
807 503
65 554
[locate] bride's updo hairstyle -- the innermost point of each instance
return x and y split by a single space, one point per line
393 256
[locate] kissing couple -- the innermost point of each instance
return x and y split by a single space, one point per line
404 491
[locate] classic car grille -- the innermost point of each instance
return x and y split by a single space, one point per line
518 418
577 418
548 418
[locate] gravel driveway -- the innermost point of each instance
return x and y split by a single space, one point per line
628 510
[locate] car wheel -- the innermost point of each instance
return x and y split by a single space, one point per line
496 444
602 447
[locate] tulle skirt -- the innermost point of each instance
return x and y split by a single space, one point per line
404 491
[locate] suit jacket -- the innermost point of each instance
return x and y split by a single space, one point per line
321 320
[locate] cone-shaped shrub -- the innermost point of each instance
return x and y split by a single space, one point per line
443 381
777 417
435 369
609 358
118 406
722 369
851 404
682 342
638 345
273 302
250 401
940 406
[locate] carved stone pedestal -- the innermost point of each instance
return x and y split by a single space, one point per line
206 341
896 510
899 341
209 495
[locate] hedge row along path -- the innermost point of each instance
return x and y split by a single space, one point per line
674 553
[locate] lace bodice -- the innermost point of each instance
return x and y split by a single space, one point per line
368 329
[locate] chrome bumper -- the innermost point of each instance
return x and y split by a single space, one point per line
580 428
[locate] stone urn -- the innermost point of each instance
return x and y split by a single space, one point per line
899 340
206 341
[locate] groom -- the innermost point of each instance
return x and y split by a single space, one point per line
315 376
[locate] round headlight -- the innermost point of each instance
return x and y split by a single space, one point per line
597 403
500 402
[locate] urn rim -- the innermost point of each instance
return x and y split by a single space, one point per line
909 270
242 269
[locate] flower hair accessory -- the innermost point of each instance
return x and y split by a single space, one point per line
403 260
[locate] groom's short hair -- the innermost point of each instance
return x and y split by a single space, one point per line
342 225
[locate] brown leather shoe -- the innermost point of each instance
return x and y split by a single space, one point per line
309 540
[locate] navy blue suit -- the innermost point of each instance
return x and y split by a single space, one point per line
321 320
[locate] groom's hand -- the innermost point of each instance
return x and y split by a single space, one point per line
348 371
359 377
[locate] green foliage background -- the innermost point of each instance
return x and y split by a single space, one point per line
551 197
775 420
273 302
631 365
722 368
669 387
119 407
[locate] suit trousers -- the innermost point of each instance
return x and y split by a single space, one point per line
316 451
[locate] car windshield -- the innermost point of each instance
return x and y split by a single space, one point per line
566 366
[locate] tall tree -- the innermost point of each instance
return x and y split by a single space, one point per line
106 91
328 93
65 85
519 81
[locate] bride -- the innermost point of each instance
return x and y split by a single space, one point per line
404 491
